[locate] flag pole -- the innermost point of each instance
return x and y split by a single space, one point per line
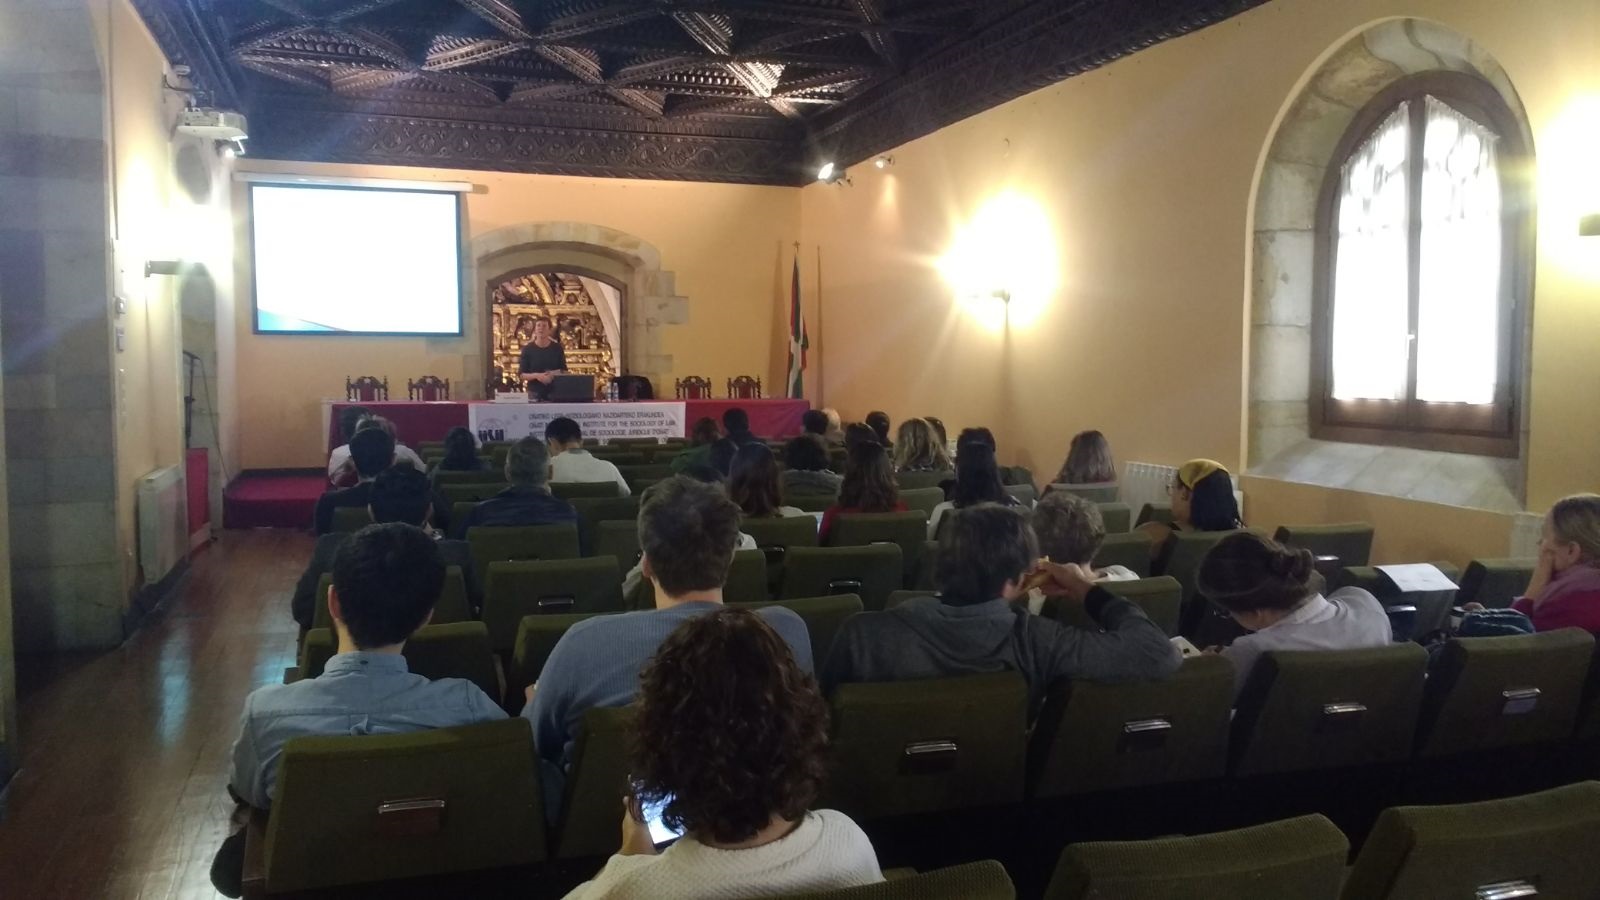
819 327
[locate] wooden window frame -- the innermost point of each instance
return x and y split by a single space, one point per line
1491 429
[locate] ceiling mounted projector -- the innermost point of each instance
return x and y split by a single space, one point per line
217 124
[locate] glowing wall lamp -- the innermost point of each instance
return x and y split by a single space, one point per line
1002 263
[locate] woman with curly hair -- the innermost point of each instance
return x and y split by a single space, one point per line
729 743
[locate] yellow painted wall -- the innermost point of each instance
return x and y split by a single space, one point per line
726 244
1144 171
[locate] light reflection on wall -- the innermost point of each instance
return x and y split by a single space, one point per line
1002 263
1569 186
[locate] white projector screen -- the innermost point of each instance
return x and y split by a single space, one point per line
355 260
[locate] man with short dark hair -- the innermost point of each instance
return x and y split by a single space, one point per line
736 427
398 494
570 463
878 421
372 451
528 500
385 582
973 626
815 421
688 531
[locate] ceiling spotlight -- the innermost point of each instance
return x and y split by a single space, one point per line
826 172
883 161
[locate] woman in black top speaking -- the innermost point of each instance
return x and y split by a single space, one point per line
542 360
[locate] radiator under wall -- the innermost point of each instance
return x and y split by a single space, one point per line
162 506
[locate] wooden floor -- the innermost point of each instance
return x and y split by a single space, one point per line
124 763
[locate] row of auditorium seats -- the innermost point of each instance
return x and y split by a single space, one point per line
470 798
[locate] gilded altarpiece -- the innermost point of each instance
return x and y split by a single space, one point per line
579 325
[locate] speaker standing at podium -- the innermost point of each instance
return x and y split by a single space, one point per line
542 360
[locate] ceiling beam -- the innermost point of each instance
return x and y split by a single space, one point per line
472 53
568 27
881 40
501 15
797 14
377 44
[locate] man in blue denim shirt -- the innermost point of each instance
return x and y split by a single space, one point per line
385 582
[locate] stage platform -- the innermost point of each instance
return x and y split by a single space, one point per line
416 421
273 499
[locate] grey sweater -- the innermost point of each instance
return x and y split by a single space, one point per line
927 638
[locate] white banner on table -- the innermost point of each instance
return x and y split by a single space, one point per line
512 421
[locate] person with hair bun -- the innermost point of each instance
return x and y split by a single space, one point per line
730 743
1202 500
1266 588
1565 589
868 486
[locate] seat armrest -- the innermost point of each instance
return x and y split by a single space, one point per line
254 880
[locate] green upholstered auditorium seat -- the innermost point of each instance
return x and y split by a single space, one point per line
1099 492
456 476
619 538
1328 709
1180 557
824 616
475 492
594 510
1494 692
746 583
517 589
353 809
1351 543
908 530
1301 858
927 567
505 543
651 472
774 535
1539 844
927 745
456 650
1098 737
351 518
983 880
869 572
1117 517
1495 582
1025 494
922 498
591 809
537 637
1154 512
1161 598
913 481
1129 549
810 501
571 490
452 605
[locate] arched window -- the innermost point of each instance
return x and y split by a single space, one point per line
1423 262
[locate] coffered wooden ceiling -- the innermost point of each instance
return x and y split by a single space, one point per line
755 91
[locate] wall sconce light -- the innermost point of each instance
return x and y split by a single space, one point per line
162 267
883 161
1589 226
829 173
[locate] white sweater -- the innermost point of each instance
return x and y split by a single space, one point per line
827 851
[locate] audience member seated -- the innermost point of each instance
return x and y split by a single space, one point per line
868 486
399 494
460 453
754 485
688 532
1266 588
937 424
634 578
1565 589
1070 530
977 481
856 433
385 582
371 451
918 448
814 421
1202 500
731 745
345 475
878 421
736 427
701 437
974 625
339 460
528 500
835 432
1088 460
805 461
570 463
721 458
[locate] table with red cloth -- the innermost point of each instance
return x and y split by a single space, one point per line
416 421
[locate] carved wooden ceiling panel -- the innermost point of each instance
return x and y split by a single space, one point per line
751 91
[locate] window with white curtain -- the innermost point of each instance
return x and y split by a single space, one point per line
1417 309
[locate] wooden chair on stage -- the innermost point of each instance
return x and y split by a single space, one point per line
744 388
694 387
367 388
429 388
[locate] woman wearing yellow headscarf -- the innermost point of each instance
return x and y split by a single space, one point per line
1202 500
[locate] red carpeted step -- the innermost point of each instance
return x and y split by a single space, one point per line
272 501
